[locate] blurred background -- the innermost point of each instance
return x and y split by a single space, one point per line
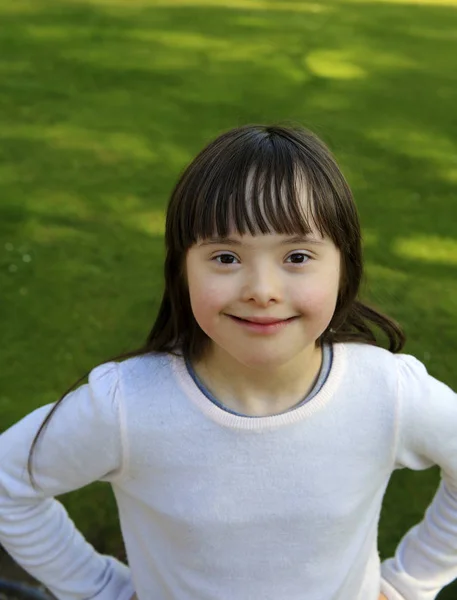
104 102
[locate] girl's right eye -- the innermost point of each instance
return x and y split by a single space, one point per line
225 259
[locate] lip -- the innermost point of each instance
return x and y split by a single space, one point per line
267 326
262 320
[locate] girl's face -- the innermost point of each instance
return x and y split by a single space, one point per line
291 280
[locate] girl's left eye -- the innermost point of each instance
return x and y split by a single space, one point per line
299 258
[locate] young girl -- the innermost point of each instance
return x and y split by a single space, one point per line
250 442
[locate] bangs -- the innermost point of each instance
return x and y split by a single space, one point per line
256 183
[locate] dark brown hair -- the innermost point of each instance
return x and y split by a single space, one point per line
252 178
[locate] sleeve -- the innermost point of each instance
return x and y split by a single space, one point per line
425 560
81 444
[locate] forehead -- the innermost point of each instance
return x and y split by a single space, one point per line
265 240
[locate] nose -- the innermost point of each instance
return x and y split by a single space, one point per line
262 286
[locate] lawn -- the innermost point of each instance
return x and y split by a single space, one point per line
103 103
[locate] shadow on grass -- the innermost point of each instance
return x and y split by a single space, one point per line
102 104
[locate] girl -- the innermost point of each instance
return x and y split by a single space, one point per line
249 443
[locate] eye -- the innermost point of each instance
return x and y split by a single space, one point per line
298 258
225 259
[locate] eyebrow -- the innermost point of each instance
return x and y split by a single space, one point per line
298 239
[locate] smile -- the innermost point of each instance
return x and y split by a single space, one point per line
264 325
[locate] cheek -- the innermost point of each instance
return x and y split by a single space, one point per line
207 300
318 296
206 294
314 301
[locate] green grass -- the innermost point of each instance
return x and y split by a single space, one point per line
102 104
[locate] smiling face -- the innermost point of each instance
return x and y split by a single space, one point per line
293 280
258 185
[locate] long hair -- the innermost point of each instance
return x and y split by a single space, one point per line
252 178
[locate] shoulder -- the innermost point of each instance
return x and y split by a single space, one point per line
366 355
407 372
382 367
415 382
365 358
132 374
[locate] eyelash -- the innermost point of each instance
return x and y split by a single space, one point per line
293 254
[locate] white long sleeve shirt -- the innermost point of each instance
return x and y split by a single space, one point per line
217 506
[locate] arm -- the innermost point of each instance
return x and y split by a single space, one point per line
426 558
81 444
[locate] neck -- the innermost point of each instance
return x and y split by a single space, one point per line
259 391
